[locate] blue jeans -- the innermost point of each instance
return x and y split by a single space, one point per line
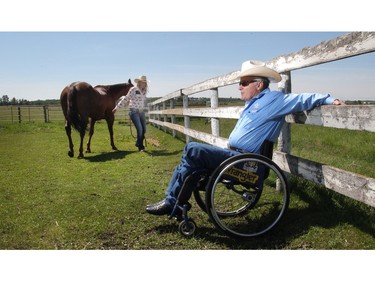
139 120
196 156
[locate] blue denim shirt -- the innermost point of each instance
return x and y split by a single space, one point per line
263 117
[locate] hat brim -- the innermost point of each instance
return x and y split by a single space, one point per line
139 80
261 71
255 68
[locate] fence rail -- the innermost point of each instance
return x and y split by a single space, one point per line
23 113
356 186
39 113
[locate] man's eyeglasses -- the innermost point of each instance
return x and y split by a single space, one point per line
246 83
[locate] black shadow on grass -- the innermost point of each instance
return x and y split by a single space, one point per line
107 156
271 241
115 155
162 152
324 209
328 209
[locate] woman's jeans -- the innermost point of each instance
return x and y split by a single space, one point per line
196 156
139 120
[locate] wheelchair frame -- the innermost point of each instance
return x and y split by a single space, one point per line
245 197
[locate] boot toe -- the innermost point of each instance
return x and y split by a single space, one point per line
159 209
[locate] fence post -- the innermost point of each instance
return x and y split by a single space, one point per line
46 115
152 116
158 115
173 117
165 116
215 123
19 115
185 105
283 141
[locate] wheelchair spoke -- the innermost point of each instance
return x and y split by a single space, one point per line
239 208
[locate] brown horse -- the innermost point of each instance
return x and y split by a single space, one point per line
81 102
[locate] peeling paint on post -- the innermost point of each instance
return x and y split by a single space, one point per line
283 142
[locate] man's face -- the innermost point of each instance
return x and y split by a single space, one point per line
249 88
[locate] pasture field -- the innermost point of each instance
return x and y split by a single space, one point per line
51 201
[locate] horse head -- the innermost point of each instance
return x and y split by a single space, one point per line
122 89
115 91
128 86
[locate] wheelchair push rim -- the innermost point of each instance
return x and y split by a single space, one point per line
241 209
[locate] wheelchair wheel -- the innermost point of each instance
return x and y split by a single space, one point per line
247 195
187 228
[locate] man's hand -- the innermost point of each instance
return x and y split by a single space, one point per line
338 102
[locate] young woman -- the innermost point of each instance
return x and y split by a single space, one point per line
136 98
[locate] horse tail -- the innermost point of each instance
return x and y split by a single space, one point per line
73 114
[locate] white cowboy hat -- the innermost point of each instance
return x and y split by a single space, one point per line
141 78
258 69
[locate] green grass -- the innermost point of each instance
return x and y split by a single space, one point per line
51 201
348 150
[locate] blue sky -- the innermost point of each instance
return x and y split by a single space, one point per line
46 45
38 65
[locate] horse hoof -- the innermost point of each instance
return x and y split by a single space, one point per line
114 148
71 154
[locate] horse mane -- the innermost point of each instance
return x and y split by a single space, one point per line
108 89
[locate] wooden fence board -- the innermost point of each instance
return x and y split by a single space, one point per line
353 185
352 117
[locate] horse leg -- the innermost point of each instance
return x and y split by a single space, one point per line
91 132
110 122
82 134
68 130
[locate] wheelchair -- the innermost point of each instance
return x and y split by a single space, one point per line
246 196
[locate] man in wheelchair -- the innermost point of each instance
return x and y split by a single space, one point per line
260 121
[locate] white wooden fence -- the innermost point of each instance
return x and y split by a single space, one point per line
356 186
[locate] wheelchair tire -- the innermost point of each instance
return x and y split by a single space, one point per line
187 228
240 202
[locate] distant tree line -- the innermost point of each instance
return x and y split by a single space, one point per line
5 100
360 102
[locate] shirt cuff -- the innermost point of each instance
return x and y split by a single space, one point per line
329 100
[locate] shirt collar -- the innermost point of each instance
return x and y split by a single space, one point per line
261 94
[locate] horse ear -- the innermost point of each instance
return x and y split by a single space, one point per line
129 81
